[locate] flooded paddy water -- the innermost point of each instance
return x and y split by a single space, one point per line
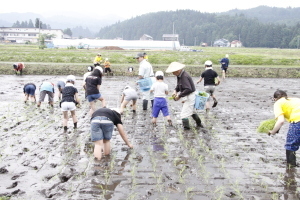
225 160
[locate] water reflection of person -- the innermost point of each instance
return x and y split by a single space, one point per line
290 185
103 121
289 109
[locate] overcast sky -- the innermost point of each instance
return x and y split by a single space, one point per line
132 8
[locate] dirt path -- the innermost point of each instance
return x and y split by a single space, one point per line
225 160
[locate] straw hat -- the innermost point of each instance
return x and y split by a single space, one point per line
175 66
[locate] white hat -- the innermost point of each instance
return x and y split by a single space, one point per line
106 58
71 78
208 63
90 68
159 73
100 68
175 66
226 55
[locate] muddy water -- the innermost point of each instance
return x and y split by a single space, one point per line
225 160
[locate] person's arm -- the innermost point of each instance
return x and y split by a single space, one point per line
122 98
199 80
98 87
123 135
219 81
77 98
278 125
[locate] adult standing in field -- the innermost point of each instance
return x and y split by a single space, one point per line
288 108
129 94
160 90
29 91
210 77
145 71
103 121
69 101
92 85
98 60
18 67
60 86
224 65
185 92
46 88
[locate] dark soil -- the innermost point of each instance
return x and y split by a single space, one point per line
225 160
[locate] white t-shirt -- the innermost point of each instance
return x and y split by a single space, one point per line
145 69
159 89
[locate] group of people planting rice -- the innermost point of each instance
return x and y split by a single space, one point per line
154 91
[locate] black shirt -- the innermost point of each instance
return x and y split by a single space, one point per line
209 76
185 84
111 114
91 84
68 94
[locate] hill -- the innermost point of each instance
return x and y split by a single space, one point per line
195 27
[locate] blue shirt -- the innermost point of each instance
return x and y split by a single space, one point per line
47 86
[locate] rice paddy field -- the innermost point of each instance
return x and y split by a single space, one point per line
225 160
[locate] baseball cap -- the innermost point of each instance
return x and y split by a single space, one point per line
139 55
71 78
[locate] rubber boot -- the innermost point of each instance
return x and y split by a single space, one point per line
152 101
291 158
215 102
145 104
186 124
65 129
75 125
198 120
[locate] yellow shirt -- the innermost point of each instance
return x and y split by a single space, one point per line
290 108
98 59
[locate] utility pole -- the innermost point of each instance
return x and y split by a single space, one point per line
39 32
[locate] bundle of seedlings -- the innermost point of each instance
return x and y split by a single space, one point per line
266 126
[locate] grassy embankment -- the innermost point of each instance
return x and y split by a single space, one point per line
244 62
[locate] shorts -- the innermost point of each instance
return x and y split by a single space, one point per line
160 104
107 69
43 94
68 106
209 89
60 85
93 97
224 68
30 89
101 128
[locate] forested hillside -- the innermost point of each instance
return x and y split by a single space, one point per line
195 27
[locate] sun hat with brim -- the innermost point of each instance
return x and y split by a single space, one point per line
175 66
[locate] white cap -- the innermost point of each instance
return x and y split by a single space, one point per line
71 78
100 68
226 55
159 73
208 62
106 58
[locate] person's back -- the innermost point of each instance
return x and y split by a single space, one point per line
209 76
160 88
290 108
47 86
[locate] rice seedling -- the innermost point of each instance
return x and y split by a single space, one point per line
187 192
266 126
218 193
275 196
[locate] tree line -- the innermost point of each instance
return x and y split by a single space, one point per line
195 28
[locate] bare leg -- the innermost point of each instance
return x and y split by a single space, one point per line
103 102
98 149
26 98
92 107
134 104
65 118
123 105
74 117
106 149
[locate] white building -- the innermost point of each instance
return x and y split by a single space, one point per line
124 44
23 35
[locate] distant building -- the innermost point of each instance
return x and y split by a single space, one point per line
170 37
146 37
221 43
203 44
23 35
236 43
